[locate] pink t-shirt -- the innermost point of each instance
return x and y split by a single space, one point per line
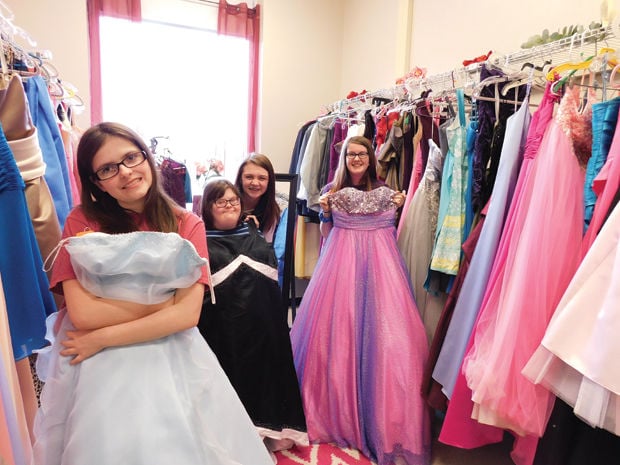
190 227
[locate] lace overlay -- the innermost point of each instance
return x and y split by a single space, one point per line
432 183
576 123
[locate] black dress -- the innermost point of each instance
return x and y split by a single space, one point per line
247 329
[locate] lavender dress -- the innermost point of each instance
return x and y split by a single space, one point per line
358 340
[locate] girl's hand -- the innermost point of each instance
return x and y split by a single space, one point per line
81 345
399 198
252 218
324 203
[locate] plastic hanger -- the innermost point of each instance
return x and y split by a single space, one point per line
535 73
612 76
564 67
496 80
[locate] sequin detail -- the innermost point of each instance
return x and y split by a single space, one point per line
356 202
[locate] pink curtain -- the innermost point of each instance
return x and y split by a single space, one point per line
127 9
241 21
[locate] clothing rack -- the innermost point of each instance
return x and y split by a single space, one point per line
567 49
15 58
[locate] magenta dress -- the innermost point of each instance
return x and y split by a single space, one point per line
358 340
605 186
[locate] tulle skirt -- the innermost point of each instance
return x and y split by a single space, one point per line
359 346
159 402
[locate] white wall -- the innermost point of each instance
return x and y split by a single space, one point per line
315 51
301 69
375 41
446 32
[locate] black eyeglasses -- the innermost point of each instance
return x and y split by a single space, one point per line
221 203
360 155
131 160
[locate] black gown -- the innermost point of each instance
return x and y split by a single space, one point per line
247 330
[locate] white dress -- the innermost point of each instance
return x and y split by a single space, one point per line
578 357
162 402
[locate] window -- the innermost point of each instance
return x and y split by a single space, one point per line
184 85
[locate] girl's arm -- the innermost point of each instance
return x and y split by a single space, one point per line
87 311
325 215
327 224
182 313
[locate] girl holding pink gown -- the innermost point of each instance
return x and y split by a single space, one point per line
359 344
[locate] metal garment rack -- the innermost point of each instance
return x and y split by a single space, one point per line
289 297
569 49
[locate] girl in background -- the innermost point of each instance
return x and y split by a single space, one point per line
246 326
256 181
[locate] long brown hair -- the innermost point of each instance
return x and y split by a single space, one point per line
99 206
342 177
267 210
214 190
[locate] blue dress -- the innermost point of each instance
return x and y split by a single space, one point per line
28 299
468 304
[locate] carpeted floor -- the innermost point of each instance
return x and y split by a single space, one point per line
328 454
321 454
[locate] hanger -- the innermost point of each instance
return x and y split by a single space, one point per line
10 30
533 79
612 76
70 95
564 67
496 80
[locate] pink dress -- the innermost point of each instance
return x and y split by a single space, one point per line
358 340
459 429
15 447
540 262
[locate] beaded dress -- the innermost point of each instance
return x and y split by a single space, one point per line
359 343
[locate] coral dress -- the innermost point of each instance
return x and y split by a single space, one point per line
359 344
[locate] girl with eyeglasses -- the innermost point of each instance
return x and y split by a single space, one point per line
130 379
246 326
358 340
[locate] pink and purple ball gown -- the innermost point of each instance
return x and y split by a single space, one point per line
359 343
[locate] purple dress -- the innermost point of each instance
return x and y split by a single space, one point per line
358 340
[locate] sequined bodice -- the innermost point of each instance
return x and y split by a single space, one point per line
356 202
